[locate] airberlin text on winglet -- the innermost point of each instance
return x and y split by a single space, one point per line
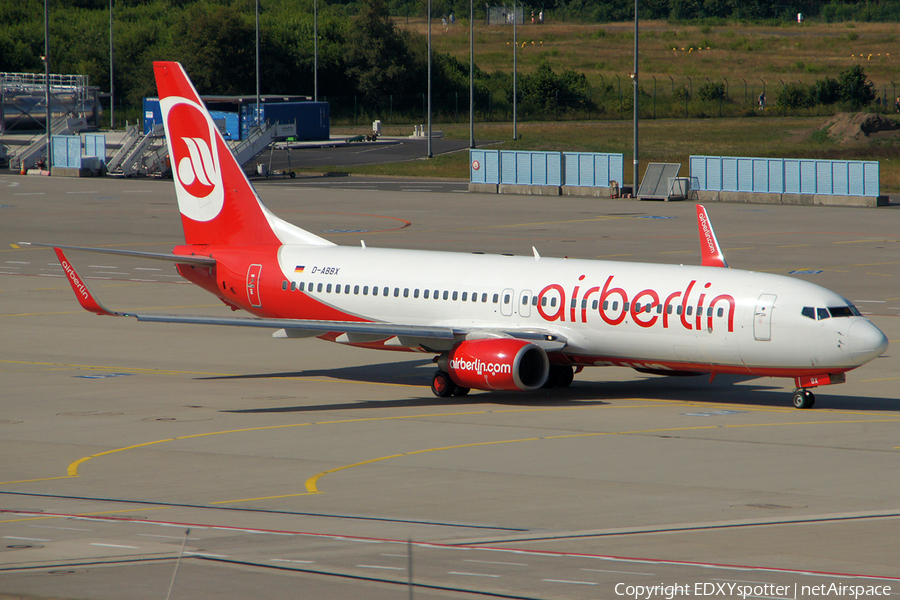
643 314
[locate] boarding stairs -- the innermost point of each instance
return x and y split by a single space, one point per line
140 154
26 157
258 139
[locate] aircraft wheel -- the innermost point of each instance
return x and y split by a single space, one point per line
804 399
293 174
461 391
561 375
442 385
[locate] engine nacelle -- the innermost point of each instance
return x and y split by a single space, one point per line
497 364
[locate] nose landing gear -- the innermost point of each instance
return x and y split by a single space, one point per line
804 399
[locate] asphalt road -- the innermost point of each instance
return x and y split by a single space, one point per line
310 470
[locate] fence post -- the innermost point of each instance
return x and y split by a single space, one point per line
354 109
654 96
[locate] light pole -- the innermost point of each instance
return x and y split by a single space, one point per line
430 155
637 112
256 118
46 58
315 50
515 54
471 73
112 87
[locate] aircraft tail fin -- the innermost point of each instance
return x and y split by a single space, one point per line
709 245
217 203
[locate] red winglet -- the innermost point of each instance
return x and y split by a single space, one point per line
709 245
84 295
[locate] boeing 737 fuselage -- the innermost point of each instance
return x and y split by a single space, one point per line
492 322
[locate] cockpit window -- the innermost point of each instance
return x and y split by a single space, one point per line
822 313
844 311
809 311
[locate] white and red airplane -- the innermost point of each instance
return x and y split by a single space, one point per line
493 322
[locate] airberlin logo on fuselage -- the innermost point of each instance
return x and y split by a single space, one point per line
195 164
647 308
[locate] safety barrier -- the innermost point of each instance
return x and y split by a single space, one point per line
785 176
544 172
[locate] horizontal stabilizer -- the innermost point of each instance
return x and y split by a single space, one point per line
204 261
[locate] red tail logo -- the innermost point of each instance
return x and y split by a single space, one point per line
195 162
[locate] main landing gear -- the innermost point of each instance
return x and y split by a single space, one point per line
444 387
804 399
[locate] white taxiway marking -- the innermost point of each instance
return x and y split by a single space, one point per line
64 528
168 537
620 572
17 262
207 554
572 582
30 194
81 192
114 546
472 574
305 562
490 562
146 269
380 567
10 537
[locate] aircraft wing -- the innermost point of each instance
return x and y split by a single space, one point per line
412 334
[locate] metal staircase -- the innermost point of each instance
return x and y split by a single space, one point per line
26 157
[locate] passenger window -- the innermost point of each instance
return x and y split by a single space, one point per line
584 303
544 301
552 302
484 297
328 289
319 288
496 298
637 307
690 310
301 286
534 300
679 310
455 296
573 303
669 309
659 309
465 296
374 290
446 294
416 293
648 308
347 289
822 313
293 286
615 305
406 292
709 311
605 304
436 294
594 304
396 292
284 285
386 291
506 299
356 290
720 312
625 306
425 294
337 289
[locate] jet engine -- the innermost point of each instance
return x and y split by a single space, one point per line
496 364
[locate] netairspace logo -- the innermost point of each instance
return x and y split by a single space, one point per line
740 590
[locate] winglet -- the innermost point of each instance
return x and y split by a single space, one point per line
709 245
84 295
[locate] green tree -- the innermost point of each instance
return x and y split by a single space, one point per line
377 55
855 88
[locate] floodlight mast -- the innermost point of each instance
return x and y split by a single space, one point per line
637 112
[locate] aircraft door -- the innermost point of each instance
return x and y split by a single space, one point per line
253 275
762 318
525 305
506 302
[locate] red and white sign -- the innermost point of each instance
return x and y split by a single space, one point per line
476 165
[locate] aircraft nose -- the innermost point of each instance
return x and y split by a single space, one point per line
867 342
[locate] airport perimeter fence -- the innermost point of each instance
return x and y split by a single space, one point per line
669 97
